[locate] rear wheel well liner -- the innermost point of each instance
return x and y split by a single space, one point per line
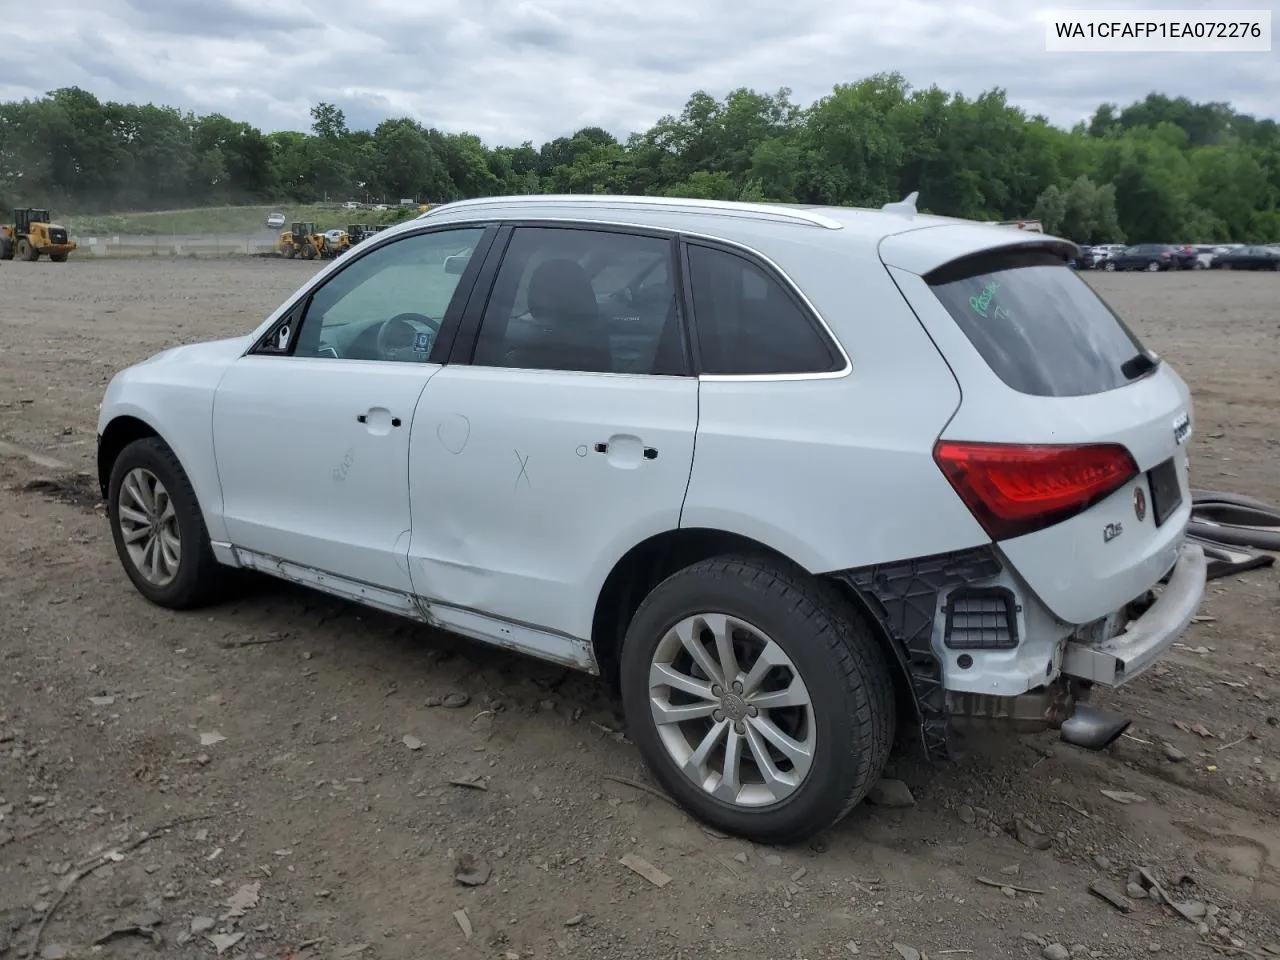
651 561
120 432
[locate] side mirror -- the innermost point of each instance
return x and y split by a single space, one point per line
456 265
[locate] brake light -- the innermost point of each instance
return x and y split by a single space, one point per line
1013 490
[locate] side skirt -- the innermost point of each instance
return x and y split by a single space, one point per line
520 638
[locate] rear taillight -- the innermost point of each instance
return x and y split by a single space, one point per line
1014 490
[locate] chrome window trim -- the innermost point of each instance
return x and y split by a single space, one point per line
845 370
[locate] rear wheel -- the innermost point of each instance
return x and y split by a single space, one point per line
759 697
158 529
1153 266
1109 266
6 248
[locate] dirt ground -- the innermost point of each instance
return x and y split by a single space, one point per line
272 730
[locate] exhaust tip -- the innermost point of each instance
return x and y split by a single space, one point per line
1094 729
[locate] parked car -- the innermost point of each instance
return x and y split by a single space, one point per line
1249 258
1100 252
1144 256
783 546
276 220
1190 257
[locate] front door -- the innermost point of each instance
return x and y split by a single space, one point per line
311 429
566 440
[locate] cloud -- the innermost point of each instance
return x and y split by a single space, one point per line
515 70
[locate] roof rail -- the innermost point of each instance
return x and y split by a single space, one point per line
776 211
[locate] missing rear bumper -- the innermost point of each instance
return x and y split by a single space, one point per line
1126 655
1058 706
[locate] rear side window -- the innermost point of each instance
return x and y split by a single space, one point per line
748 323
1040 328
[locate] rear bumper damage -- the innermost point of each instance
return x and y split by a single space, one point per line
1118 660
1034 672
1085 664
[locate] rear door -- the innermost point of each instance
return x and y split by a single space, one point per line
1042 360
559 435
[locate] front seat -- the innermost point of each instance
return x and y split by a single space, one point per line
571 336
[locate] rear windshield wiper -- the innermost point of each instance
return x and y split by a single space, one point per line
1138 365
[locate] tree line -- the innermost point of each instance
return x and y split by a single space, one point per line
1161 169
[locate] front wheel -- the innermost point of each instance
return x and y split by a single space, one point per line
1109 267
158 529
759 697
1153 266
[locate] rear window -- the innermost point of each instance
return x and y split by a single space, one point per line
1040 328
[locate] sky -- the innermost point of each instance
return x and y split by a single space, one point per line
515 70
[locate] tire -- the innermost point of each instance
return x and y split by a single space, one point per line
26 251
6 248
848 721
58 257
1199 265
1208 497
308 252
1109 266
1259 538
198 579
1153 267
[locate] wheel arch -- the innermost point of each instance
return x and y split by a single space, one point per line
657 557
121 431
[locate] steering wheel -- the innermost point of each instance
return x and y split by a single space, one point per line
407 336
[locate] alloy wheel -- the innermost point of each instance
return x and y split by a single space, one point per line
732 710
149 527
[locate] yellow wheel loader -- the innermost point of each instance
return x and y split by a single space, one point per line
32 236
301 240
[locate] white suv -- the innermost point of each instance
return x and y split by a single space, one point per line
794 478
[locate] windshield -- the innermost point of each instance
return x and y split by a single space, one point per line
1039 326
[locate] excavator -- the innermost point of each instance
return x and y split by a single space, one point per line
32 235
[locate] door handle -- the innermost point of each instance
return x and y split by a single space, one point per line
364 418
649 453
